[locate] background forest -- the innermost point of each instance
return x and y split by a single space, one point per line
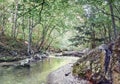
54 25
39 36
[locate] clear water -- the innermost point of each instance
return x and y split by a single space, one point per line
37 74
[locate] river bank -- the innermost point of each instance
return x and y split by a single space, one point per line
63 75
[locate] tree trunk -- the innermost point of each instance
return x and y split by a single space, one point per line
105 33
109 33
113 20
14 27
49 45
93 43
42 39
48 38
29 37
23 25
23 28
40 12
3 24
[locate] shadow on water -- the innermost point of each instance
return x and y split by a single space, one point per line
36 74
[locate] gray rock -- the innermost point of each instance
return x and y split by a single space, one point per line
59 77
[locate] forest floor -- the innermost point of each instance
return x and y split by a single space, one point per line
11 50
14 51
11 47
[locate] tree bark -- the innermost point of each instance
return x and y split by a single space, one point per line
23 24
93 43
29 51
113 20
109 33
104 33
3 24
15 12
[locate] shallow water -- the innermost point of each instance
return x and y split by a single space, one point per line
37 74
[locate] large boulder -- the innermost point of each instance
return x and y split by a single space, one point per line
93 60
104 59
115 63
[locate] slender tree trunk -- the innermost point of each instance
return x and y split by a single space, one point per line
3 20
23 28
29 37
23 24
15 12
93 43
109 33
12 21
49 44
3 24
42 39
113 20
105 33
30 21
40 12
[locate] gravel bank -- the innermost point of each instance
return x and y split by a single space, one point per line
63 75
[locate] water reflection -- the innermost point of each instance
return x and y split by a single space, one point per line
35 75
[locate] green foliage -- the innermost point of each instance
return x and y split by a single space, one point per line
90 19
96 27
